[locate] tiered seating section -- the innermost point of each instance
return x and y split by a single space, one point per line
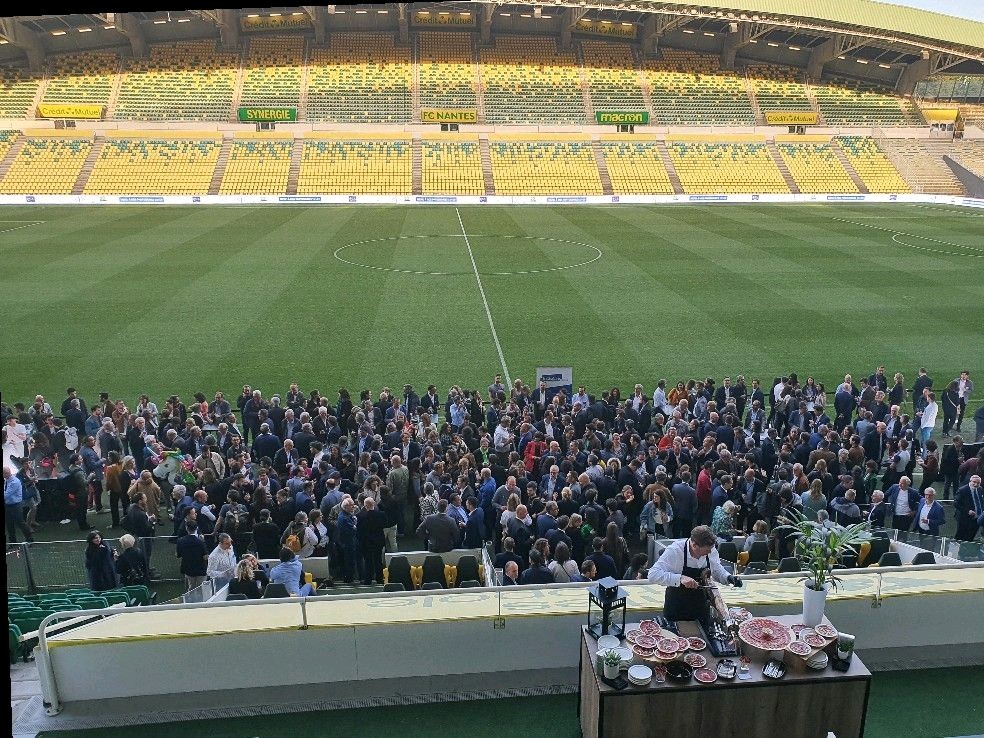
778 88
451 168
447 70
356 167
257 167
871 164
189 80
726 167
612 76
692 89
154 166
274 68
815 167
46 166
7 139
81 78
544 168
921 161
360 78
17 91
636 168
970 153
845 102
527 80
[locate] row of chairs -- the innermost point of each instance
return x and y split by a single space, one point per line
876 552
400 576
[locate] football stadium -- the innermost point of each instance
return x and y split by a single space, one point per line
577 367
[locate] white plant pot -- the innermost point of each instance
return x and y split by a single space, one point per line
611 672
813 604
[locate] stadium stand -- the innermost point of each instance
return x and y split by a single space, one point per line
159 166
636 168
561 167
845 102
81 78
815 167
692 89
726 166
970 153
273 69
188 80
871 164
379 167
612 76
17 91
451 168
778 88
527 80
7 139
46 165
359 78
257 167
972 114
921 163
447 70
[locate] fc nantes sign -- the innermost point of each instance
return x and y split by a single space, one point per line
622 117
433 115
71 110
792 118
267 115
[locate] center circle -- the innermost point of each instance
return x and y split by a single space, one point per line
597 254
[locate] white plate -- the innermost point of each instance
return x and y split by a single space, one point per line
818 661
606 642
640 674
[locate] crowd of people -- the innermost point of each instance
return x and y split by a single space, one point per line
565 486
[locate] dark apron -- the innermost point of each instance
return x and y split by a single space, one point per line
681 603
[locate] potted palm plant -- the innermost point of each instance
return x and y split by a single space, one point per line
820 549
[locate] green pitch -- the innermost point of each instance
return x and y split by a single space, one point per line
181 299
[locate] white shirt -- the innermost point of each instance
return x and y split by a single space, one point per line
963 387
221 563
668 568
902 502
924 516
501 439
929 415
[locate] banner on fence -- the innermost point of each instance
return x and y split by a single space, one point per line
267 115
611 29
437 115
430 18
792 118
622 117
77 111
278 22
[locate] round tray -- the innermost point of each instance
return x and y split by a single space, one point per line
765 634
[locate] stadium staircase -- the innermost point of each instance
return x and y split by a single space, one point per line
849 168
753 100
12 153
585 85
296 157
606 180
415 86
417 173
39 96
671 171
921 163
90 163
220 167
647 91
811 95
479 88
237 92
114 95
302 98
783 169
483 147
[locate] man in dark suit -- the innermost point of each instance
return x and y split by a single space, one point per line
475 527
303 441
903 502
285 458
844 407
969 506
876 515
439 529
541 401
549 427
409 449
430 402
750 487
801 418
878 380
291 425
684 506
724 393
265 444
372 539
874 444
275 414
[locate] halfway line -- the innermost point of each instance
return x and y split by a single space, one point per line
488 313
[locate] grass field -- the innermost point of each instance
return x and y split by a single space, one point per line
166 300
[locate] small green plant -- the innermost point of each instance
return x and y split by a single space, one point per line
612 658
821 547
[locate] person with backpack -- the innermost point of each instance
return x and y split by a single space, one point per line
299 538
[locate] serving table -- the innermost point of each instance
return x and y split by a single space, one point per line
802 704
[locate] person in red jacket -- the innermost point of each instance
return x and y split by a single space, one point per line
704 489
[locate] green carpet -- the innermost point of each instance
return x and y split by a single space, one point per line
930 703
104 298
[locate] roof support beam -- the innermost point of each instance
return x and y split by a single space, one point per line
570 18
742 36
485 27
930 64
837 45
403 23
228 23
24 39
319 21
130 27
653 28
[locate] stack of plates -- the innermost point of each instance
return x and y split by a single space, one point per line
640 675
606 642
818 661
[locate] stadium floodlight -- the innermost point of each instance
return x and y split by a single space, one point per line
58 33
688 30
330 9
184 20
84 30
733 27
708 33
885 66
794 48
